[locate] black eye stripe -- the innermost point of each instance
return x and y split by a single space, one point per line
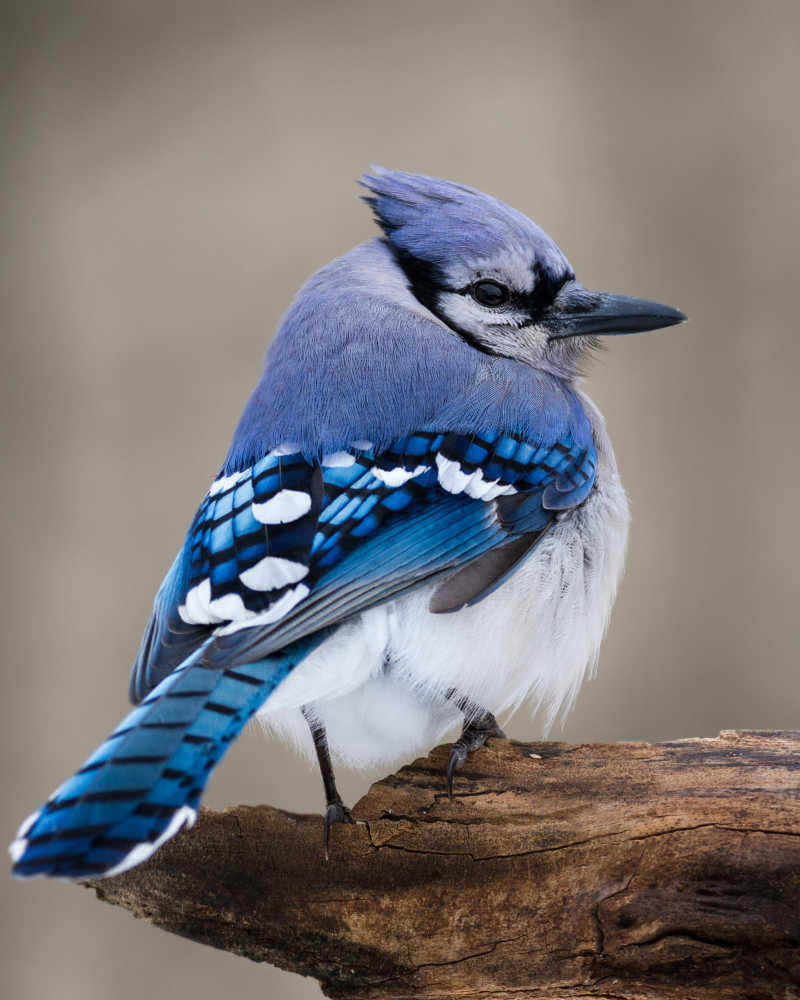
544 291
427 283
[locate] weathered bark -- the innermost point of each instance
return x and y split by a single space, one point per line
625 871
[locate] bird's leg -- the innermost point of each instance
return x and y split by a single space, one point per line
479 726
336 811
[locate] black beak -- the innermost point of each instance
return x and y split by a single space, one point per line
576 311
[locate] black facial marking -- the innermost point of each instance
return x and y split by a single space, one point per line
545 288
426 283
423 278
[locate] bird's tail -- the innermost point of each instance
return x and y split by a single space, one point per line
145 782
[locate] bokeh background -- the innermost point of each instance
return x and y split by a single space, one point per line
171 172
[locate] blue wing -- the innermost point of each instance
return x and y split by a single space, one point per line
288 546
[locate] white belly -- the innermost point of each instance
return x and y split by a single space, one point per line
378 684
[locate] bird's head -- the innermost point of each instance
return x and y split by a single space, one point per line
493 276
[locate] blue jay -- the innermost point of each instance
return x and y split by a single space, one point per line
419 522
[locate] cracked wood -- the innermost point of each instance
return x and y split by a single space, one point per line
627 870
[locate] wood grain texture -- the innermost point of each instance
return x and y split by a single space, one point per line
627 870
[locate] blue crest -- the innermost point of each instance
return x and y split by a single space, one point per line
437 221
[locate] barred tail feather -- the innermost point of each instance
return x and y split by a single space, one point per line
145 782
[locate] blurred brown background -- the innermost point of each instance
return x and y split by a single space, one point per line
171 174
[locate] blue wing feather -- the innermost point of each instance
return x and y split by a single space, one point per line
167 639
288 546
441 536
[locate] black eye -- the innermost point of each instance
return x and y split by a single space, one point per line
489 293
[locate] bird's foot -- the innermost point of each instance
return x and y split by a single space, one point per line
473 736
337 812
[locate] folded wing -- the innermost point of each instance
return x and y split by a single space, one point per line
290 546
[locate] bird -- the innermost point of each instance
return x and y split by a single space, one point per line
419 524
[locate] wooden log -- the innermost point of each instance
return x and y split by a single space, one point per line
617 871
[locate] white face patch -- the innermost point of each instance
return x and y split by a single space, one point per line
501 331
512 266
469 315
504 329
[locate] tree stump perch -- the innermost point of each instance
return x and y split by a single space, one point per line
627 870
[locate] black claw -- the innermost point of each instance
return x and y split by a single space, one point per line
473 736
458 758
336 812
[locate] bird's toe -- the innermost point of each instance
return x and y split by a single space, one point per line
337 812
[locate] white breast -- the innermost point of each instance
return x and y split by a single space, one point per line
378 684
